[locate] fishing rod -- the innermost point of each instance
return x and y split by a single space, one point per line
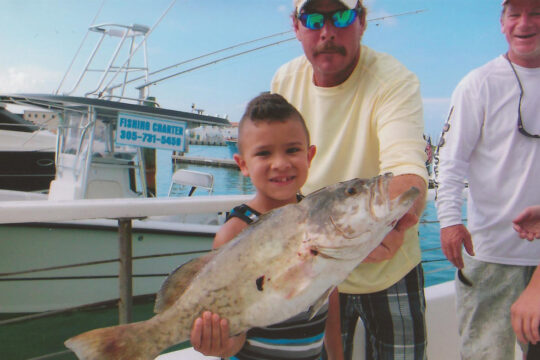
155 82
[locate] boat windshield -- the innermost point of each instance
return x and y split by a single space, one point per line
82 134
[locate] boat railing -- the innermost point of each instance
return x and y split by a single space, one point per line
124 211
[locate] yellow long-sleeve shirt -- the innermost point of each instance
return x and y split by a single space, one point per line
369 125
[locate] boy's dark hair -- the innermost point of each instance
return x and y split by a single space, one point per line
270 107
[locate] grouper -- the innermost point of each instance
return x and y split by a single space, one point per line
285 263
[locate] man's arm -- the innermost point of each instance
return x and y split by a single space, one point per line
458 141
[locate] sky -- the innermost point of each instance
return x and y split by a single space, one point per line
439 40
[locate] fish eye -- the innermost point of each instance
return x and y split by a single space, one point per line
350 191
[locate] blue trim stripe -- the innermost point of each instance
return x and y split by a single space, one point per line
290 341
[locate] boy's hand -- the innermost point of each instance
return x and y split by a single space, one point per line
393 240
210 336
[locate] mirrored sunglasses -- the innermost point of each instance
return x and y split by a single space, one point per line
340 19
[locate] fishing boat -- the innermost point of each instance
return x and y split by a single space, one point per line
92 163
104 149
26 154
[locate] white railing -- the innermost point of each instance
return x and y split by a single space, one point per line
12 212
124 211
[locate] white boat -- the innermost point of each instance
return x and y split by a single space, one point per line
91 165
100 153
26 154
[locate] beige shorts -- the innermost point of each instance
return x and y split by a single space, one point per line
483 308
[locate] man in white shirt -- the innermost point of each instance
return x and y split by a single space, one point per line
491 140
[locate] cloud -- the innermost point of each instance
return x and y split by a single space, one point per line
284 9
28 79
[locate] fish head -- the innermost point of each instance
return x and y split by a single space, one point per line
349 219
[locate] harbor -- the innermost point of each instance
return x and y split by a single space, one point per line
205 161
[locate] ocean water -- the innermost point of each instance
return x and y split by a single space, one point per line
229 181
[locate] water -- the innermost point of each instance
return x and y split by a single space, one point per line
229 181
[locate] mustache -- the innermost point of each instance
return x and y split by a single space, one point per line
330 47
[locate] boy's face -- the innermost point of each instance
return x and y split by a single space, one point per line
276 156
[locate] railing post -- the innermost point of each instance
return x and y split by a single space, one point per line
125 280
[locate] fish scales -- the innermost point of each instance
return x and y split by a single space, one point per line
285 263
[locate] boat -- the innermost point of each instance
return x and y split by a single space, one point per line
92 165
26 154
232 144
104 149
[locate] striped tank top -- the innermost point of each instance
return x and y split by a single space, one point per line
298 338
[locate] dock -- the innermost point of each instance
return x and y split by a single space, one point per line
197 160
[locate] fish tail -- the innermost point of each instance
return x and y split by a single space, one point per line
117 342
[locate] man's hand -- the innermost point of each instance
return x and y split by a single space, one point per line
527 224
210 336
452 238
393 240
526 315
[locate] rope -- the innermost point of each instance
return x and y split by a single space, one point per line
52 355
100 262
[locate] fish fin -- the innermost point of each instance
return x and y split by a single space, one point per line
341 253
314 309
121 342
178 281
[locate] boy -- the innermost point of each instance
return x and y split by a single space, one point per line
274 151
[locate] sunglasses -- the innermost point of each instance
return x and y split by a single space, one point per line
340 18
521 129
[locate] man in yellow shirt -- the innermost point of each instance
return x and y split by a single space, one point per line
364 112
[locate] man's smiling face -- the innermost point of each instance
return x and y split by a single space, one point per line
520 23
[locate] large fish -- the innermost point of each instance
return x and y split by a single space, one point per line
285 263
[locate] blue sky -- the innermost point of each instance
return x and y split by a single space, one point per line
441 45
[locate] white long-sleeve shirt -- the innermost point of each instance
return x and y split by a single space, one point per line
481 143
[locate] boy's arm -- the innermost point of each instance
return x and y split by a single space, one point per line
332 337
228 231
210 333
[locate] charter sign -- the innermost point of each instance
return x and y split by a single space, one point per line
150 132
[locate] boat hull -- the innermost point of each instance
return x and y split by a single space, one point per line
46 245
